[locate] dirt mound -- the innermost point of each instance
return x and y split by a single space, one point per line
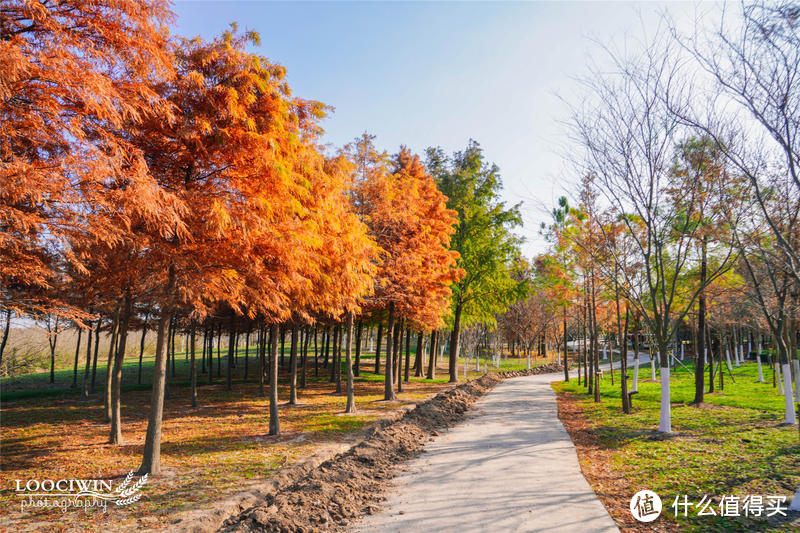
549 368
350 485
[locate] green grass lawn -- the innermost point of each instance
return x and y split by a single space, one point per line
735 445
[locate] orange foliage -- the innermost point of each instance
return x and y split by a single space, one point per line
62 104
408 219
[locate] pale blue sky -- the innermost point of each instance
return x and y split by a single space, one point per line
425 74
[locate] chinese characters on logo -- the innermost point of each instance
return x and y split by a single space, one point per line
750 505
645 506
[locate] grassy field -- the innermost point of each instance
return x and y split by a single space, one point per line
734 445
220 447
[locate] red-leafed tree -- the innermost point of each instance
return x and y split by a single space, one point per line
72 74
407 217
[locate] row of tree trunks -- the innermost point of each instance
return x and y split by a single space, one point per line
166 333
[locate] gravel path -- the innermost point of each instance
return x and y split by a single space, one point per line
510 466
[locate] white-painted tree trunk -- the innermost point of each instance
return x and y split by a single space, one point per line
636 372
665 421
789 417
728 359
653 366
749 348
758 360
529 360
778 377
683 352
605 347
796 365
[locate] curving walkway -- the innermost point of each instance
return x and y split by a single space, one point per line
510 466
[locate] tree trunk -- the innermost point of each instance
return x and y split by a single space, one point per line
172 345
418 355
116 379
151 459
699 368
351 398
203 353
398 355
588 375
219 351
626 398
590 347
85 387
566 363
338 359
316 355
378 348
211 355
283 346
713 347
454 342
6 329
758 358
636 361
326 348
77 353
170 355
304 365
231 352
332 353
109 362
622 342
274 424
596 340
610 356
94 357
246 353
408 354
192 368
293 367
397 351
262 363
432 357
388 391
357 368
141 348
783 346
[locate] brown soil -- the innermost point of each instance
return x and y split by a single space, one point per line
352 484
607 482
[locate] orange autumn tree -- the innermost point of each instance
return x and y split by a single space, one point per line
336 260
408 218
428 298
235 155
347 257
72 73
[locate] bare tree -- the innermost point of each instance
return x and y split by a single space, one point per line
629 131
753 109
770 283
